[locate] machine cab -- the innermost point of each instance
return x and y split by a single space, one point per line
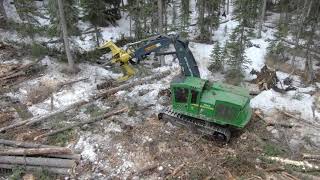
186 93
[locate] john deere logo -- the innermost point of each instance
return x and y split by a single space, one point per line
154 46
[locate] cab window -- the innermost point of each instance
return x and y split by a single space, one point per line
181 95
194 95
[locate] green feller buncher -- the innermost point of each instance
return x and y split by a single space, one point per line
211 108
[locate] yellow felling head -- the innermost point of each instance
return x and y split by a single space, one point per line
114 48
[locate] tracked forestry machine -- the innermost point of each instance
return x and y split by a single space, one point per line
211 108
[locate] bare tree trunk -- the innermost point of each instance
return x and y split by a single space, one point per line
309 64
263 11
228 6
65 36
174 13
130 26
160 26
96 30
3 11
299 29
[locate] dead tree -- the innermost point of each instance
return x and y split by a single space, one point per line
263 11
160 25
3 11
65 35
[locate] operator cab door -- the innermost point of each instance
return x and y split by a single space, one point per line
194 102
180 101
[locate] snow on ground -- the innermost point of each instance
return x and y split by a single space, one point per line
224 31
291 101
201 53
256 54
66 95
87 150
11 11
296 101
123 28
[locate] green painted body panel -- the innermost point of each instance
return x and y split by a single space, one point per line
219 103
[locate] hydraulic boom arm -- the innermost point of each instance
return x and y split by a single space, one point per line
155 44
184 55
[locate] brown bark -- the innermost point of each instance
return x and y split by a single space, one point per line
23 144
306 166
99 118
19 70
65 35
3 11
37 161
311 156
63 171
42 118
160 26
134 83
263 11
35 151
80 103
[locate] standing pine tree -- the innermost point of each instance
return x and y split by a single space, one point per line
216 59
135 13
184 17
94 11
71 14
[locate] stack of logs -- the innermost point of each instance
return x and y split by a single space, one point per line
38 157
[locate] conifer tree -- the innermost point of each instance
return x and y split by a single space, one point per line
3 14
94 11
216 59
71 14
236 58
184 17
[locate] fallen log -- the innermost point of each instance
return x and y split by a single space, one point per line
37 151
178 169
83 102
44 117
99 118
304 165
289 176
284 125
315 51
305 176
313 124
21 144
311 156
134 83
62 171
38 161
18 71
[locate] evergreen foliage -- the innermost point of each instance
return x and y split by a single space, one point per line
247 11
184 17
216 59
95 12
71 12
236 58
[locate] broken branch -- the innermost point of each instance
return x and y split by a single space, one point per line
42 118
305 165
21 144
99 118
311 156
